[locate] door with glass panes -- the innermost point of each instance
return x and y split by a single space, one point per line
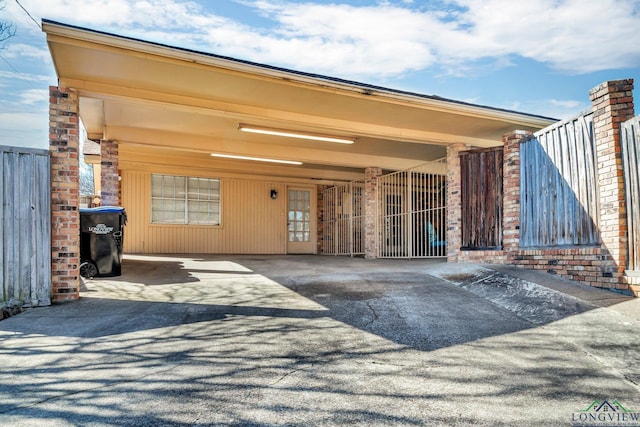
301 220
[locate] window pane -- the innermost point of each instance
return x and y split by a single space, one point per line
179 186
156 185
173 203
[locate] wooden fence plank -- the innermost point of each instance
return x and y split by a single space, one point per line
482 198
631 161
4 296
25 230
558 185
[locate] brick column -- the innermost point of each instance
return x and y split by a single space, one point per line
109 182
371 212
511 196
612 104
65 186
454 202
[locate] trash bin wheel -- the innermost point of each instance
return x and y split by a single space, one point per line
88 270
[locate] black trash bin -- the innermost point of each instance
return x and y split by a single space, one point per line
101 238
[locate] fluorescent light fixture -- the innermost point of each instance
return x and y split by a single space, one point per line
256 159
294 134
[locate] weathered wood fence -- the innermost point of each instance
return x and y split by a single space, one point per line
559 186
25 230
481 185
631 162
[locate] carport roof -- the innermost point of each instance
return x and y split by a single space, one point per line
177 104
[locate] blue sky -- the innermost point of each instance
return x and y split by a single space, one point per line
533 56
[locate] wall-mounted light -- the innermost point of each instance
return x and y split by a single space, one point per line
274 194
294 134
256 159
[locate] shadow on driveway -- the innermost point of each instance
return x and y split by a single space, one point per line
302 341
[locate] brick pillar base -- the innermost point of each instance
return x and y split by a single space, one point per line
65 186
371 212
109 177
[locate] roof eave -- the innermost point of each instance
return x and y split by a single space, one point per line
52 28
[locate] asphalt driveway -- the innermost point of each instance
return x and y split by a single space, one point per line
274 340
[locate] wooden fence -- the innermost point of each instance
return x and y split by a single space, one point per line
631 161
25 230
559 186
482 198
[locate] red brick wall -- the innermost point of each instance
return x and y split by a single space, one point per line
589 265
597 266
65 220
454 203
612 104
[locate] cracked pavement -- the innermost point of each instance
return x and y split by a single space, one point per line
304 340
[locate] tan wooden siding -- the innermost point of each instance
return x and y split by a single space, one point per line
252 222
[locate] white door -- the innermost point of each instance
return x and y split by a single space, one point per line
301 220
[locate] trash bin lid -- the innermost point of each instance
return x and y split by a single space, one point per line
103 209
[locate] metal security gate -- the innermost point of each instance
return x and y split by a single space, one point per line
25 227
631 163
343 210
411 212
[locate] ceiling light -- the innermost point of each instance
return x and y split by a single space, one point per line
256 159
294 134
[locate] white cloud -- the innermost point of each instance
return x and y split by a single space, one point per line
34 96
380 40
575 36
23 50
21 129
572 104
28 77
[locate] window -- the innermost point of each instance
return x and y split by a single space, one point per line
185 200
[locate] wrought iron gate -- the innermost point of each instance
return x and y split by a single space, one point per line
411 212
343 208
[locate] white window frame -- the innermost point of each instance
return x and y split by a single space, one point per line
184 200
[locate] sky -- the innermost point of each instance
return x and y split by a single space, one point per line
533 56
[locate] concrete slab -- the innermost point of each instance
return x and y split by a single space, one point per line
269 340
